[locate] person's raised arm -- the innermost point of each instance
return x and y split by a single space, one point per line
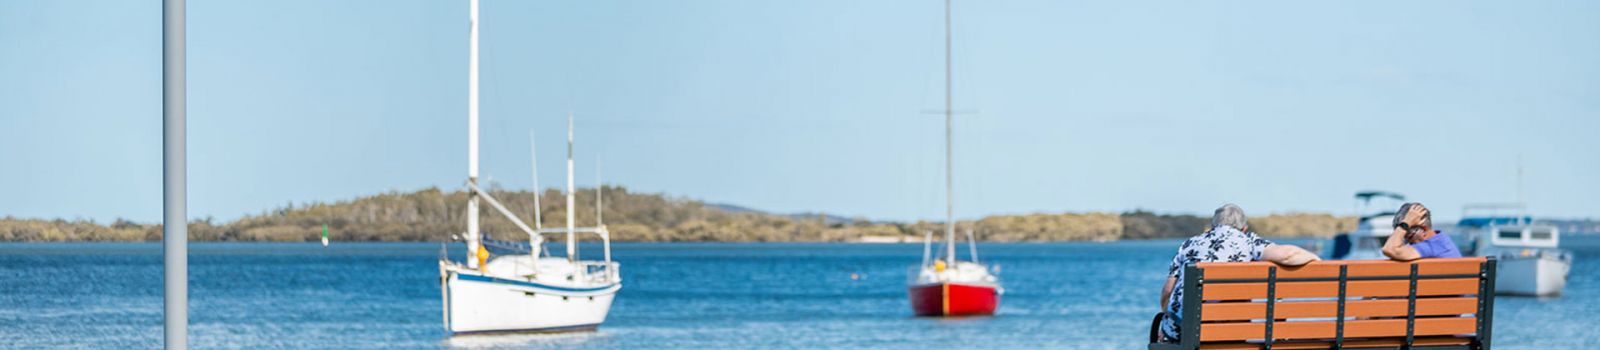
1287 255
1397 249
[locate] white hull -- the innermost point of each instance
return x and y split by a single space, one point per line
476 303
1535 275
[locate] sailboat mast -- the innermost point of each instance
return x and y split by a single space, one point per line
472 138
949 157
572 244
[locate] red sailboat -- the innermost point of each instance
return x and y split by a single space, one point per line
947 286
950 287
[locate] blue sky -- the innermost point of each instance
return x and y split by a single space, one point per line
1173 106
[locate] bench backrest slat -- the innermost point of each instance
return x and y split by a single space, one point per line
1325 329
1330 269
1329 309
1395 288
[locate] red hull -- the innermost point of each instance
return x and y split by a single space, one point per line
953 299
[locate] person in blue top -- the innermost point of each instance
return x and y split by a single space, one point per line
1414 237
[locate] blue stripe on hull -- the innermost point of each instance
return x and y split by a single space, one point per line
563 329
486 279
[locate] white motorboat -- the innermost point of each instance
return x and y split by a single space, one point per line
1531 261
1366 242
532 292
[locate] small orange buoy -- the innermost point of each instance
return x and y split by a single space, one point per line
855 276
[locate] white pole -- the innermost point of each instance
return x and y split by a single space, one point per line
599 196
949 157
533 150
472 138
175 235
572 244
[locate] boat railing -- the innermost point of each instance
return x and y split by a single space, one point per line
598 271
605 236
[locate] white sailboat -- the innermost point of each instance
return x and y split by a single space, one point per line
531 292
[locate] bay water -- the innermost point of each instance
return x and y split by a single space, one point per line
674 296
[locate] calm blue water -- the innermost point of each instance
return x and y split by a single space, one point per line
376 295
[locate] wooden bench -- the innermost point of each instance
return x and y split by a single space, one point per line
1425 304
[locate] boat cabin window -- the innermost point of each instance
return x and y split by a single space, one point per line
1511 234
1540 235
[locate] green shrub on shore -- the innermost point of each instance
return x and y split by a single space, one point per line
434 215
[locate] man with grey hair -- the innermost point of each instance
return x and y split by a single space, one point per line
1228 240
1414 237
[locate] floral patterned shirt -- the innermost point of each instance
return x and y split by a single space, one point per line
1223 244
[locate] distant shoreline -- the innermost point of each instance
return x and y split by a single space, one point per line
431 215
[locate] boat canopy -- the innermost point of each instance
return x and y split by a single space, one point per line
1493 220
1369 195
